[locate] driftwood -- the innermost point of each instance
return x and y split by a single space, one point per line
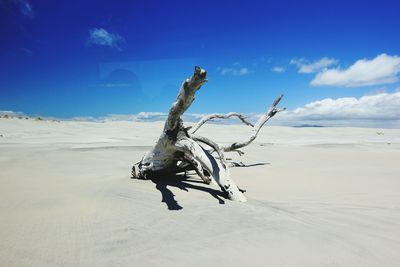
178 150
220 116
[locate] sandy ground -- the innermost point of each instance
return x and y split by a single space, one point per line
316 197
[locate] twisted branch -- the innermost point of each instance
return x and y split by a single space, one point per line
220 116
260 123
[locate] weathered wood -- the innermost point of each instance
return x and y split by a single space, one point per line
220 116
257 127
176 150
162 157
212 167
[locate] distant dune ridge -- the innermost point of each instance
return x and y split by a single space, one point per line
317 196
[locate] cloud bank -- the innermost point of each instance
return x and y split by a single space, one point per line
382 69
380 110
100 36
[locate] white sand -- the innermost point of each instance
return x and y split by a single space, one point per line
321 197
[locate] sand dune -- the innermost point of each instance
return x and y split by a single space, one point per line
316 197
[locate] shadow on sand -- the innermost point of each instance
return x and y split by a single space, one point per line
163 182
242 165
183 182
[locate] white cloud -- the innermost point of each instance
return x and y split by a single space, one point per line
100 36
141 116
23 6
278 69
26 9
115 85
380 110
27 51
151 116
383 69
311 67
235 70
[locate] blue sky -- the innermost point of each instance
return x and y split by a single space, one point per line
93 58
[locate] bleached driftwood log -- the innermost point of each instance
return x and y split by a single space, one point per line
178 150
